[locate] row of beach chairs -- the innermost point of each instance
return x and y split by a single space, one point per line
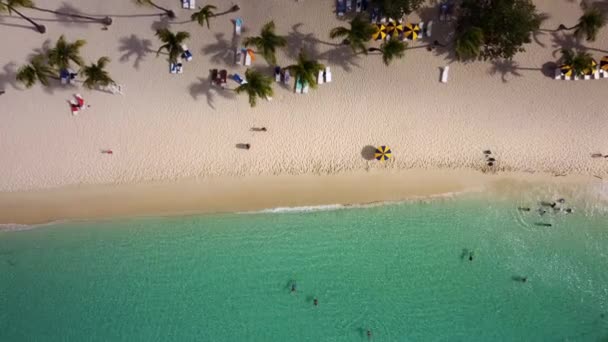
178 68
597 74
345 6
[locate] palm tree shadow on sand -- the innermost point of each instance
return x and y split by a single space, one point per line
222 51
210 91
368 152
8 76
134 46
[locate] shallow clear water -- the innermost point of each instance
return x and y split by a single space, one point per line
398 270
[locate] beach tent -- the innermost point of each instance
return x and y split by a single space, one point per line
566 70
380 32
383 153
411 31
604 63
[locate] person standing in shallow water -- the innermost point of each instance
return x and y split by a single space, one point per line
471 256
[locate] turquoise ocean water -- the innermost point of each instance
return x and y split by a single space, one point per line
401 270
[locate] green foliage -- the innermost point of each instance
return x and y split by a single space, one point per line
267 42
579 61
468 44
506 25
8 5
589 24
64 52
95 75
258 85
391 49
398 8
306 69
360 32
203 15
173 43
37 70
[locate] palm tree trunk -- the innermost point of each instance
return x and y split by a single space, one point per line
39 28
169 12
231 10
105 21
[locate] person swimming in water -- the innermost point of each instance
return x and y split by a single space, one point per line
369 333
471 256
293 287
315 302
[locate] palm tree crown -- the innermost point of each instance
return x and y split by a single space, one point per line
468 44
37 70
579 61
168 12
64 52
306 69
391 49
173 43
360 32
590 23
258 85
267 42
95 75
204 14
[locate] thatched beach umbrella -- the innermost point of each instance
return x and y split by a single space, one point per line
380 32
411 31
383 153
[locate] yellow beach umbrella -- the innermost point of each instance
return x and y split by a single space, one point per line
411 31
566 70
380 32
383 153
394 28
591 68
604 63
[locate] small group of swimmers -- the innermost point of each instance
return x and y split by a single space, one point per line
294 288
489 159
554 205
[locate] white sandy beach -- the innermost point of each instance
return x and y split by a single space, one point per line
168 127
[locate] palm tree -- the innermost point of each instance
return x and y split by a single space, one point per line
173 43
95 75
306 69
64 52
579 61
267 42
258 85
360 32
588 25
168 12
468 43
10 5
204 14
105 21
37 70
391 49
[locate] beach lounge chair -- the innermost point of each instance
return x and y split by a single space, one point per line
238 79
421 35
192 4
238 25
187 55
596 73
358 5
64 75
79 100
277 73
173 68
567 77
186 4
327 75
305 87
443 12
349 5
248 56
558 74
445 73
576 78
238 58
429 27
215 77
223 78
299 85
586 77
340 7
320 77
286 76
